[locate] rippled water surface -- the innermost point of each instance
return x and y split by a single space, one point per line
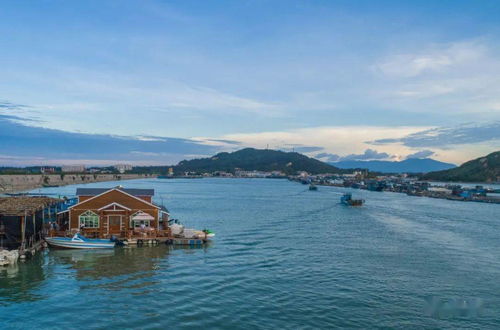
283 257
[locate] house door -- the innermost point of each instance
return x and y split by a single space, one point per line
114 224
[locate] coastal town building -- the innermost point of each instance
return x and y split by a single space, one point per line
47 170
73 168
103 212
122 168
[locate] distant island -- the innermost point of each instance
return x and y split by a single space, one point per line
412 165
483 169
250 159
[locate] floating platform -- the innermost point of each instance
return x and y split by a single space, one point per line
163 240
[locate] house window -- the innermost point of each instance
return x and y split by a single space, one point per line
138 223
89 219
140 219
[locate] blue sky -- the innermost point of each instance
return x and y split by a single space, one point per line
160 81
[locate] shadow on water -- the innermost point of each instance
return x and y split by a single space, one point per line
23 281
19 281
99 264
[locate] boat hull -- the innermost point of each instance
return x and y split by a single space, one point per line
354 202
67 243
346 199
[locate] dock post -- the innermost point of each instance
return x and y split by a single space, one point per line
34 228
23 232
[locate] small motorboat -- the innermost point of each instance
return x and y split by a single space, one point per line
80 242
178 230
313 187
346 199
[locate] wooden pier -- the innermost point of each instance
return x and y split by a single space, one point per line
154 237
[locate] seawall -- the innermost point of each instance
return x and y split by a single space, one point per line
14 183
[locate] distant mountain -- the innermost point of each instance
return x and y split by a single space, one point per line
412 165
484 169
250 159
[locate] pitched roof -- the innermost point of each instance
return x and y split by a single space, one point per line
18 206
98 191
119 189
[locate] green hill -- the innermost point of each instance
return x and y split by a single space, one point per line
484 169
250 159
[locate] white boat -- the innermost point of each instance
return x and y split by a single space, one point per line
179 230
80 242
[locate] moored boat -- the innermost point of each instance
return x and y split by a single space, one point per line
80 242
346 199
313 187
179 231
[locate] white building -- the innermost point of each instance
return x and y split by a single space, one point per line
73 168
122 168
252 174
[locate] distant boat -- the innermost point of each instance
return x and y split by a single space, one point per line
164 177
346 199
80 242
312 187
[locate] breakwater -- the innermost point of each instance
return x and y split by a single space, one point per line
19 182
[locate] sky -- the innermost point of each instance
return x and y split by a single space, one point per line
155 82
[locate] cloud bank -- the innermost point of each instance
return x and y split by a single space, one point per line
444 137
21 144
421 154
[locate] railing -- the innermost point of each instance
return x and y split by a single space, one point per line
59 233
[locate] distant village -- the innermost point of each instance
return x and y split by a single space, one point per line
403 183
400 183
119 168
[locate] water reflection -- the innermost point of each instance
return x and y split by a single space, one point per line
113 269
19 281
101 264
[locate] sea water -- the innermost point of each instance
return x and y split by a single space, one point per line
283 257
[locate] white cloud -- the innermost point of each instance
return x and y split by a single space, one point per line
460 78
341 140
444 137
436 59
368 154
421 154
